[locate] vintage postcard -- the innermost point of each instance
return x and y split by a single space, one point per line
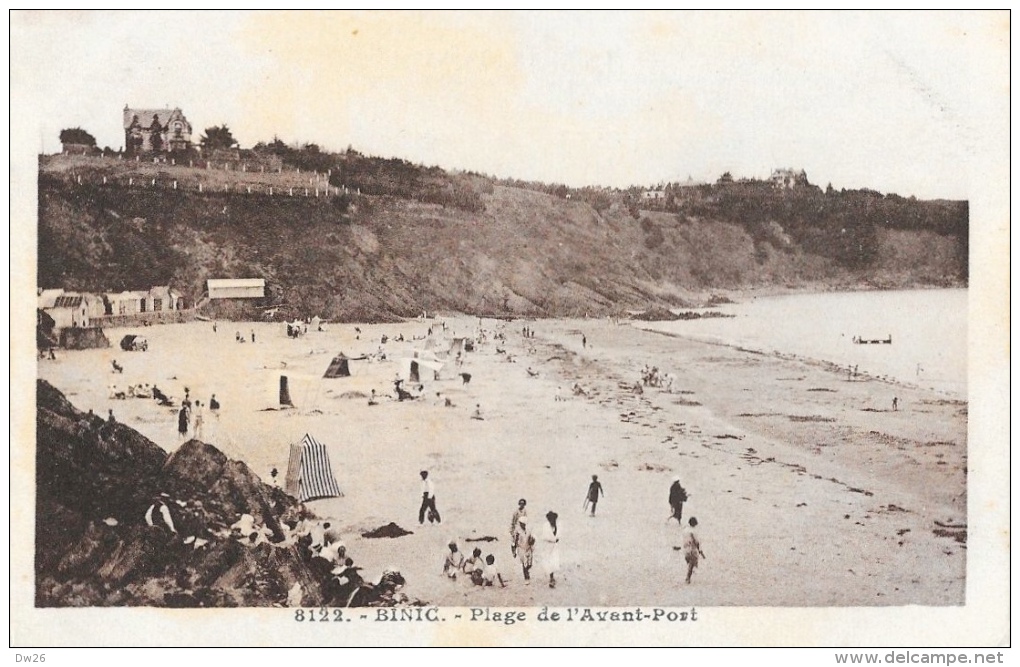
509 329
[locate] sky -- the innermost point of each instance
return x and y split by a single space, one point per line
896 102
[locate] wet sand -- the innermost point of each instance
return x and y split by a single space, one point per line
809 489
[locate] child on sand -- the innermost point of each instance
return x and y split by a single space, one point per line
490 575
454 561
691 547
473 567
594 491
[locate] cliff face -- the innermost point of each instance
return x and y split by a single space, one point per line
95 482
518 252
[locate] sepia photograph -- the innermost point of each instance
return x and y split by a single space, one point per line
515 328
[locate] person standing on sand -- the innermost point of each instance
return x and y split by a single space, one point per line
691 547
525 547
253 335
550 555
519 513
677 498
895 403
594 491
428 500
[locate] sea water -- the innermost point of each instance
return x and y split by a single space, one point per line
928 329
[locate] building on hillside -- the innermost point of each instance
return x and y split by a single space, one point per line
653 195
236 288
788 178
75 310
162 298
155 131
48 298
690 183
127 303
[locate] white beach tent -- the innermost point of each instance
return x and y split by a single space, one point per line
309 474
412 367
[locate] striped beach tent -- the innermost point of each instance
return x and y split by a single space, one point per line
309 474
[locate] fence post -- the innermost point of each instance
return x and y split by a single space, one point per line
249 189
131 181
175 185
79 179
291 192
173 161
244 167
104 180
154 182
306 192
191 163
225 185
199 187
270 191
316 192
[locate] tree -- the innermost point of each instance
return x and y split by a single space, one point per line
218 136
76 135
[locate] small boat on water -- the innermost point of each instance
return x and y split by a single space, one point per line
858 340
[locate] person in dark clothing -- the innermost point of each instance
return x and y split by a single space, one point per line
183 422
594 491
677 498
428 500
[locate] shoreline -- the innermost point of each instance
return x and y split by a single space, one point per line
862 376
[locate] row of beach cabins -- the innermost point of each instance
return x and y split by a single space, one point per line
83 310
61 310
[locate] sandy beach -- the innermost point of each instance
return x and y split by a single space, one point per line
809 488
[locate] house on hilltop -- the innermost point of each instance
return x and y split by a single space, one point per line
788 178
155 131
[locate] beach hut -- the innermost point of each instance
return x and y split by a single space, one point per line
338 368
285 400
309 473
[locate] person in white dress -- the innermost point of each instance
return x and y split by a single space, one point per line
550 547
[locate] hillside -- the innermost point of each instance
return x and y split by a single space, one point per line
387 250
